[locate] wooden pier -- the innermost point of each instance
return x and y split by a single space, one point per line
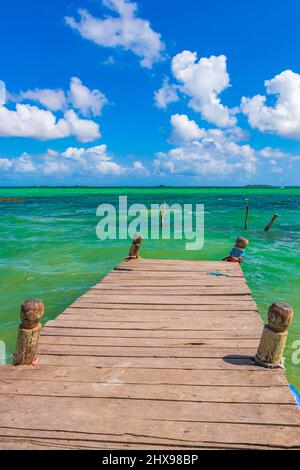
158 355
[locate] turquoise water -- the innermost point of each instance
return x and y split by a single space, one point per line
49 247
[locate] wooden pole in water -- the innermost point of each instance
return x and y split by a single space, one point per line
274 336
29 332
162 214
246 217
267 228
135 247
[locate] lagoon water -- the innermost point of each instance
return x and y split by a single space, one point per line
49 247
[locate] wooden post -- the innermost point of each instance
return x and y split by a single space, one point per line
135 247
274 336
246 217
29 332
162 214
267 228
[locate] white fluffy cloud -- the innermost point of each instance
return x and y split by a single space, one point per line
213 154
87 102
84 129
55 100
185 129
73 162
166 94
273 153
202 81
2 93
207 152
208 159
284 117
126 30
30 121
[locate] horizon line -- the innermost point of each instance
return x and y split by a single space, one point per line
254 186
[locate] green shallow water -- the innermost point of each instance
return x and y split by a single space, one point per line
49 248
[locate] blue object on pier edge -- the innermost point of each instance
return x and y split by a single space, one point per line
217 273
296 394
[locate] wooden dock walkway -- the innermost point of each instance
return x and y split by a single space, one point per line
158 355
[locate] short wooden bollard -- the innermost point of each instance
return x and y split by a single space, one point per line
135 247
272 343
246 217
267 228
29 332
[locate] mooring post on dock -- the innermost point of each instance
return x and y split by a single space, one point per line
246 217
275 216
29 332
135 247
274 336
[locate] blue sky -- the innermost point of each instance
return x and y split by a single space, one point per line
150 92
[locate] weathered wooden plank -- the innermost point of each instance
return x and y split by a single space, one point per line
153 315
155 410
32 443
211 281
29 440
229 362
151 343
177 269
149 299
192 290
186 265
249 332
125 351
178 392
42 441
69 443
225 307
179 325
256 377
183 275
138 315
197 270
178 262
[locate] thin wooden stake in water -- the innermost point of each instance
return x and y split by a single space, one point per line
267 228
135 247
246 217
29 332
162 214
